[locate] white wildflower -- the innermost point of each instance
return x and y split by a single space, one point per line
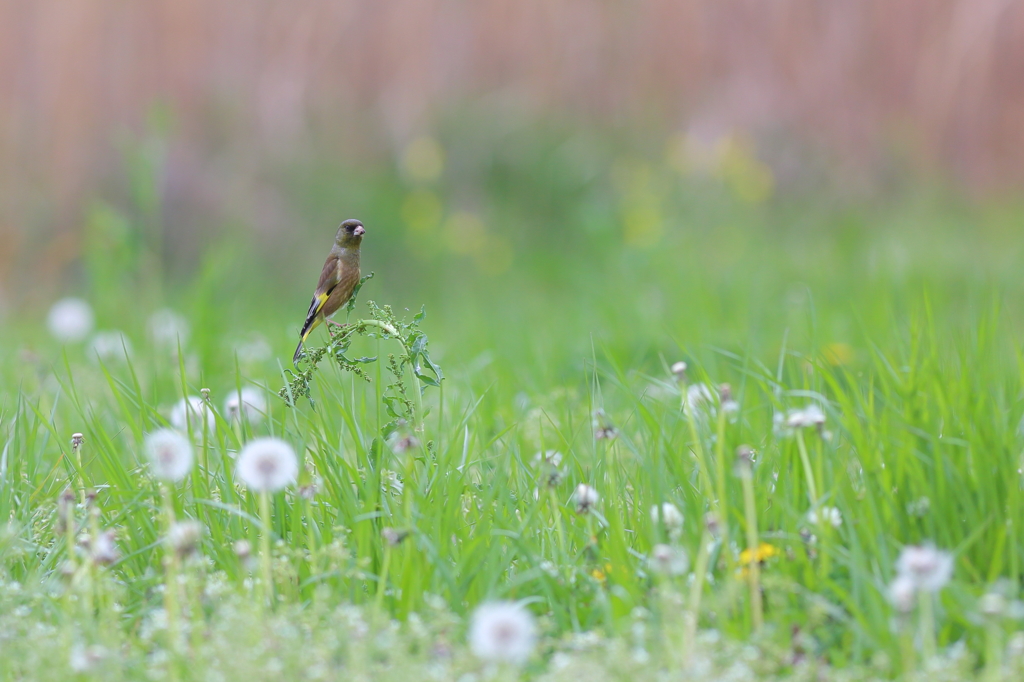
829 515
168 329
547 458
170 454
110 345
189 412
699 397
248 403
267 464
669 560
184 537
901 593
929 568
586 498
70 320
102 548
502 632
668 514
805 418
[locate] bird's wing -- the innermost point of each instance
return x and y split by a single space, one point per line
329 277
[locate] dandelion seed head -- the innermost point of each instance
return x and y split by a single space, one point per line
699 397
102 548
170 454
167 329
679 370
192 411
110 345
585 497
828 515
248 404
76 441
811 415
267 464
184 538
928 568
502 632
901 593
669 560
668 514
70 320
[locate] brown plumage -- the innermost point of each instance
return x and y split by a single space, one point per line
337 280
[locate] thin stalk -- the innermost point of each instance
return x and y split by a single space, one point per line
754 569
383 582
266 576
700 571
171 578
926 625
723 500
993 650
805 460
557 517
698 447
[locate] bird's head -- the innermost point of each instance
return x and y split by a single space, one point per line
350 233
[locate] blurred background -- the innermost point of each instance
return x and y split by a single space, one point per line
719 170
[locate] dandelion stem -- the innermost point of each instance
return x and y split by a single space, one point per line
383 582
557 517
698 449
723 501
171 579
926 624
266 577
754 569
993 651
700 571
812 488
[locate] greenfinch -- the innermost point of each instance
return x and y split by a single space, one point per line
338 280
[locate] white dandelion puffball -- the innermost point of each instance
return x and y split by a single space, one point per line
168 329
70 320
248 403
901 593
829 515
189 412
669 560
585 497
929 568
669 515
805 418
170 454
502 632
700 397
267 464
110 345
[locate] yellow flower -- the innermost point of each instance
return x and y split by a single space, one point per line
760 555
601 574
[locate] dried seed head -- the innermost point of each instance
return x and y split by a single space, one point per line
204 393
744 458
76 441
585 497
502 632
184 538
394 536
603 427
669 560
679 370
242 549
308 491
724 393
170 454
267 464
102 549
712 523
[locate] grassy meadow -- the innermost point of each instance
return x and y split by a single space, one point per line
871 348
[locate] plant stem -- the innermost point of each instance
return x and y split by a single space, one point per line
700 571
754 568
698 449
812 488
266 576
170 580
926 624
723 500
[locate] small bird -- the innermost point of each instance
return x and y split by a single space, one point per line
338 279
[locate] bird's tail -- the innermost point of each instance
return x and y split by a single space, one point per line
302 339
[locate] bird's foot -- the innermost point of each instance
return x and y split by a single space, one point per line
337 324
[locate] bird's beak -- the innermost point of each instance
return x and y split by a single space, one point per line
359 231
